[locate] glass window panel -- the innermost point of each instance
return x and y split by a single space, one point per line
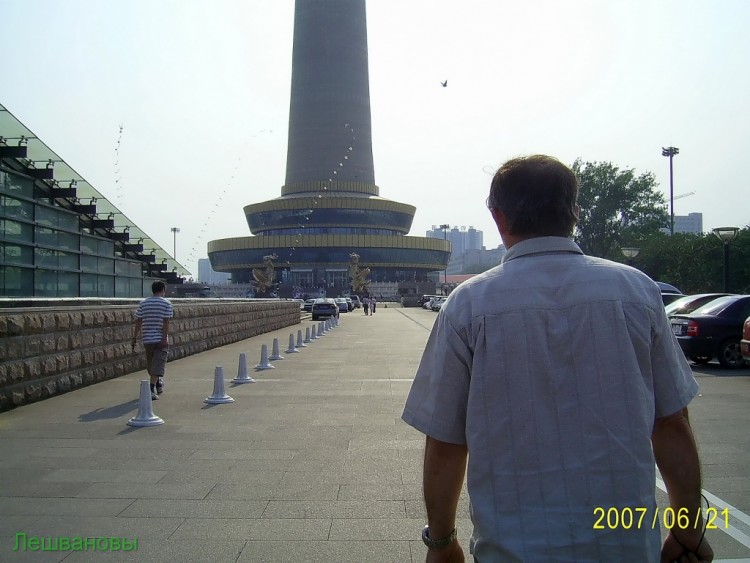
13 230
88 285
68 220
67 284
45 257
12 207
45 236
105 286
106 248
46 216
136 287
16 184
16 282
89 263
106 266
122 287
16 253
136 269
67 261
68 241
45 283
122 267
89 244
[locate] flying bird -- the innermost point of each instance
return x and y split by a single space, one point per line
445 84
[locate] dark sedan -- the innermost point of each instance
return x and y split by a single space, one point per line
324 307
713 330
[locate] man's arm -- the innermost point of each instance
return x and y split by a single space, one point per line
164 333
136 331
677 458
443 477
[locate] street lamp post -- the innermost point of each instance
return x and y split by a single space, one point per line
174 230
670 152
726 235
444 227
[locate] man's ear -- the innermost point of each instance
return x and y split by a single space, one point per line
500 220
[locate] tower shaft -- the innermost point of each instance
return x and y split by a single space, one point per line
329 115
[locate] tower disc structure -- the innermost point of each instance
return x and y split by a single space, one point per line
330 206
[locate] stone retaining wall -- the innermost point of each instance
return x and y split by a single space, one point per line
52 350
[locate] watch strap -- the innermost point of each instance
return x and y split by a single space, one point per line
437 543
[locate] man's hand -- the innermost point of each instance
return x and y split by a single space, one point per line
164 342
451 554
673 551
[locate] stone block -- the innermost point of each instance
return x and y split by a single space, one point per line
63 362
76 379
33 392
32 369
32 323
75 360
4 379
63 384
49 322
62 321
98 355
18 397
88 377
88 320
49 365
87 339
87 357
49 388
98 337
47 343
74 340
16 371
62 342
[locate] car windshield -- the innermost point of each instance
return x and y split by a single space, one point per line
715 306
675 305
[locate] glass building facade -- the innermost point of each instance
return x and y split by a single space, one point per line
61 238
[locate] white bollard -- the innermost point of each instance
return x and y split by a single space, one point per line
314 335
307 339
292 349
145 415
264 363
219 396
242 375
321 329
275 354
300 342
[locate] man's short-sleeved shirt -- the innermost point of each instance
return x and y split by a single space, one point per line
153 311
552 367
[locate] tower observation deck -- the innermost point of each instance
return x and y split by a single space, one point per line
330 206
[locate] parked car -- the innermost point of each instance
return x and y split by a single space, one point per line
425 299
669 293
324 307
342 304
689 303
355 300
713 330
437 303
308 305
745 342
350 303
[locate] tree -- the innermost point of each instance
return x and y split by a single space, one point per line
618 208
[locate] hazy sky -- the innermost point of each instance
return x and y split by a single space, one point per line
202 92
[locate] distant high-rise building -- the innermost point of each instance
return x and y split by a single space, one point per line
461 239
206 273
690 223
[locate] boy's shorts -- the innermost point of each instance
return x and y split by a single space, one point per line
156 358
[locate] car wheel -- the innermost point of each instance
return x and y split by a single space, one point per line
700 360
730 355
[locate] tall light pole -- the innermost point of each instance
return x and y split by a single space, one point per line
174 230
630 252
670 152
726 235
444 227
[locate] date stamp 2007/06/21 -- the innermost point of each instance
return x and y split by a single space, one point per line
614 518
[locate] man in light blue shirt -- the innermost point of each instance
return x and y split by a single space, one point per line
558 376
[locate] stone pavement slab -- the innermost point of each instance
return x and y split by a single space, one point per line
310 463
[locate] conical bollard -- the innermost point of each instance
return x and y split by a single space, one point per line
145 415
313 334
307 339
300 342
242 375
275 354
321 329
219 396
292 349
264 363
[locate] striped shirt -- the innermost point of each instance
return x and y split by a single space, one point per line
153 311
551 368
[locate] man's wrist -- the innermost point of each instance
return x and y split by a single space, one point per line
438 543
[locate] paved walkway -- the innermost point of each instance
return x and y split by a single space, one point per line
310 463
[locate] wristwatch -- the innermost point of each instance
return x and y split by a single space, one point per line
439 543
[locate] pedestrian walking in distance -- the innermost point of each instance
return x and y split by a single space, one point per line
152 321
366 305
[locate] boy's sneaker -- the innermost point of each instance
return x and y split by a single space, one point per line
160 386
154 397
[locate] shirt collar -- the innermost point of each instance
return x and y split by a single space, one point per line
541 245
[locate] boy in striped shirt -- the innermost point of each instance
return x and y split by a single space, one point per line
152 319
